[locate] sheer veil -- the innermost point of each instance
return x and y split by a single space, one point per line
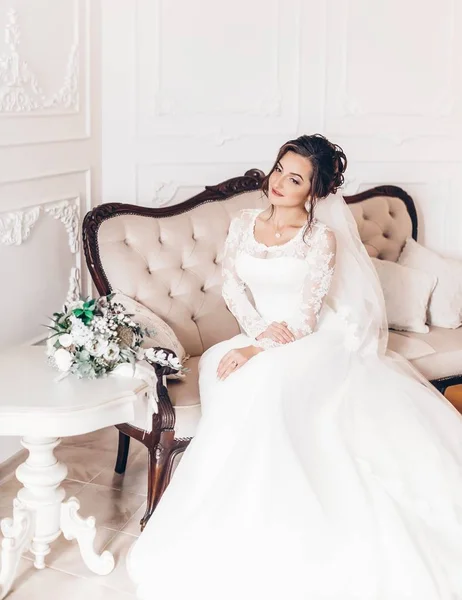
355 292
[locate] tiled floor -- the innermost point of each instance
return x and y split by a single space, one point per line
118 504
116 501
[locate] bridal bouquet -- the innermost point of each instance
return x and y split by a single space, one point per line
90 338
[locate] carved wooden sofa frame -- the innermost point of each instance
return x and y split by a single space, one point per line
163 446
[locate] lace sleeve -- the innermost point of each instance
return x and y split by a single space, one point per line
234 289
321 262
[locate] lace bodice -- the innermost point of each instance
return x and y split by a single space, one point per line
288 282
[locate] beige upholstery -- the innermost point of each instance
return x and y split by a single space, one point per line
185 398
435 354
172 266
383 224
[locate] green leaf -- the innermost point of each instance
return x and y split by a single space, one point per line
54 335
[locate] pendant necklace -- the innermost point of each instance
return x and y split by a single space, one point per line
277 233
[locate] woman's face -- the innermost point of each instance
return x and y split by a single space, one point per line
290 182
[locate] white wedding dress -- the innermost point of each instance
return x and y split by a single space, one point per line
323 469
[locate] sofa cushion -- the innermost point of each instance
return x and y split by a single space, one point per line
186 392
445 308
435 354
160 334
172 265
383 224
407 293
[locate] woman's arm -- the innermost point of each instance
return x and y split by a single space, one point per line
321 261
234 288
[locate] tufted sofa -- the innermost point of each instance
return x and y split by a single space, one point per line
169 260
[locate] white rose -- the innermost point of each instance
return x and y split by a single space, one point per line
112 352
66 340
96 347
63 359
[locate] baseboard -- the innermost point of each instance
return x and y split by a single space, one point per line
9 466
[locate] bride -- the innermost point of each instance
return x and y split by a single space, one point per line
325 467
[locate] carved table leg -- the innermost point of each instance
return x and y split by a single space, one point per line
18 533
39 515
83 530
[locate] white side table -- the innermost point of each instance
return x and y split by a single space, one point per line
35 407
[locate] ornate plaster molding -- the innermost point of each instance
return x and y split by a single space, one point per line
20 90
67 211
73 293
15 227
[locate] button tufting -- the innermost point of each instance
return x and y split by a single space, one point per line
386 234
126 242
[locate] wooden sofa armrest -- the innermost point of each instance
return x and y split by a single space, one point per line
162 421
165 418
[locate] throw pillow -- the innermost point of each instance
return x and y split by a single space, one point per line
163 335
407 294
445 308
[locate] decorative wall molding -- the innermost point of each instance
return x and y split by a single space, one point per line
73 292
20 90
15 227
353 106
163 106
164 192
271 105
68 212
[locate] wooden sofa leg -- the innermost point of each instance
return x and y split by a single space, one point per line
161 459
155 476
122 453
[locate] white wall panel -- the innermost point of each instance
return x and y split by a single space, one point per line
188 69
44 68
190 101
49 159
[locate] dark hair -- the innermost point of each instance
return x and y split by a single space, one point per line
329 163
